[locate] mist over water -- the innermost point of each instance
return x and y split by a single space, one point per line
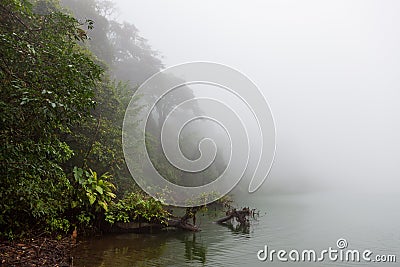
329 71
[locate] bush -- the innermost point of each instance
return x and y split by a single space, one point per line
93 195
137 207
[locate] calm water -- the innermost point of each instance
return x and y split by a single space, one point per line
304 221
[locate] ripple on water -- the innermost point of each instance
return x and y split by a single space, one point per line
292 222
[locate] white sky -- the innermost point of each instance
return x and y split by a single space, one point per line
329 69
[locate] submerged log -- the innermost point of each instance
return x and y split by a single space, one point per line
183 222
239 215
137 225
178 223
224 219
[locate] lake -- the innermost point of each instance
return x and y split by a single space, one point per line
312 221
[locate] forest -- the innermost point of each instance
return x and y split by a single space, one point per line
68 71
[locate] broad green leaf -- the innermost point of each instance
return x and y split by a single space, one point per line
91 197
99 189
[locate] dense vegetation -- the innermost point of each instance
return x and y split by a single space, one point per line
68 71
64 88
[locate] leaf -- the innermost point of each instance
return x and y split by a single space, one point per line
91 197
103 205
99 189
78 172
111 194
74 204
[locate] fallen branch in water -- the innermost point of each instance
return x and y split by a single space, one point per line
239 215
178 223
183 222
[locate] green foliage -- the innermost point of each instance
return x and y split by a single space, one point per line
58 224
46 86
137 207
97 139
59 109
94 193
161 164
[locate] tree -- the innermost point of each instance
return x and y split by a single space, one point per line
47 87
120 46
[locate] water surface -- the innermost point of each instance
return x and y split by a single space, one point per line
297 221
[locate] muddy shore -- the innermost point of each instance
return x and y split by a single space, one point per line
37 252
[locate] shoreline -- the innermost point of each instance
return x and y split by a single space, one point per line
40 251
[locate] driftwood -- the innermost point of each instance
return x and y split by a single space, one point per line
178 223
239 215
183 222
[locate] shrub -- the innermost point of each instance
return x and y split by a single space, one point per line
137 207
93 195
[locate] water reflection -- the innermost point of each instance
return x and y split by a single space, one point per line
120 250
293 222
194 251
238 228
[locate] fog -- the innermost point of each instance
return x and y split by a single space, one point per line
329 70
